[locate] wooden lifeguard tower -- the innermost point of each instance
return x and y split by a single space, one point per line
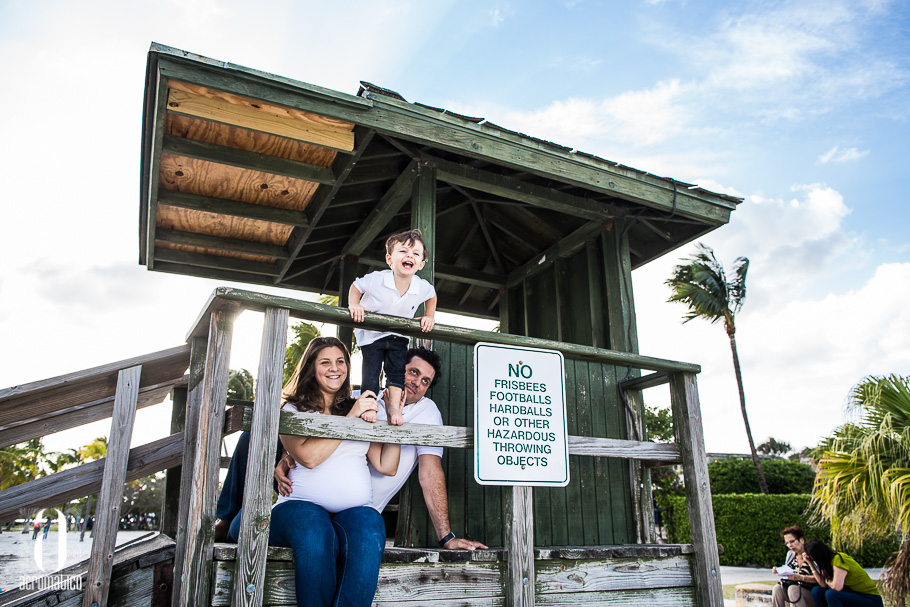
251 177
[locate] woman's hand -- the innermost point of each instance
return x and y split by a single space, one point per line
365 403
282 474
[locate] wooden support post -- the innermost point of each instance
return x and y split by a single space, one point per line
504 311
423 218
622 335
346 278
195 386
171 505
423 215
249 587
110 498
519 520
689 436
196 571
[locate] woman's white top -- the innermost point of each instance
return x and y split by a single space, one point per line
342 481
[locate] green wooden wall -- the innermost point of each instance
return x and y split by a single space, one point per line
582 299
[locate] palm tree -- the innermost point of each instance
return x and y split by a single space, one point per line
863 482
240 385
702 285
303 333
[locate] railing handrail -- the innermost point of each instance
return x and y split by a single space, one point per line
312 311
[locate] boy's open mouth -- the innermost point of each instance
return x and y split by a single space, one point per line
408 264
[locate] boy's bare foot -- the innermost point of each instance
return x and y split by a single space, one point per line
393 406
368 416
221 530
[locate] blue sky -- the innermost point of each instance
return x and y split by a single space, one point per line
801 108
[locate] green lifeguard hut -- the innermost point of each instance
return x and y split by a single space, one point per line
251 177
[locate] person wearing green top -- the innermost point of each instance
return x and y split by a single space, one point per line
841 581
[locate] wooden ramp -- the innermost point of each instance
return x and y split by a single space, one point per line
141 574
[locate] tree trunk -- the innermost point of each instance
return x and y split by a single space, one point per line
762 483
88 512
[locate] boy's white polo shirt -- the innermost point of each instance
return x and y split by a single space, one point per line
381 296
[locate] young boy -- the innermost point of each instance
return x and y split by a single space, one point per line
397 291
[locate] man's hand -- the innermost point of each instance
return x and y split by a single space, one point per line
357 311
457 543
282 471
427 323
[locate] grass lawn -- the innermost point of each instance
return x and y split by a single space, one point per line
730 592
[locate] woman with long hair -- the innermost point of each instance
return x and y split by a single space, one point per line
841 581
328 518
797 588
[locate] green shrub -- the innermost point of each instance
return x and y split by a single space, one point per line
748 527
737 475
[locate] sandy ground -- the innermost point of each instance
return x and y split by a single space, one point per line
22 557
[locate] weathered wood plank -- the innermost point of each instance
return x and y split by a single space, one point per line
153 121
31 402
614 574
656 597
249 589
197 566
235 208
688 429
55 489
252 117
315 312
244 159
79 415
110 497
458 437
170 507
520 577
390 203
191 433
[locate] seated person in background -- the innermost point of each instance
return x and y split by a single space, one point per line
841 581
397 291
797 588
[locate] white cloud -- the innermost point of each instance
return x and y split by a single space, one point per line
838 155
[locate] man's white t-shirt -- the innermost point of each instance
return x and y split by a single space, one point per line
380 295
385 487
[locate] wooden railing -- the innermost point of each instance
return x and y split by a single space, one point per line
210 339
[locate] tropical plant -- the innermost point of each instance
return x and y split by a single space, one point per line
772 446
302 334
736 475
863 483
94 450
21 463
240 385
702 285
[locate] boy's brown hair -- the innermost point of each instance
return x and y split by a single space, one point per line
409 238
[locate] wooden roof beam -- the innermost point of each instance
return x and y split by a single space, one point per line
217 262
564 248
385 209
244 159
454 274
522 191
235 208
323 196
217 243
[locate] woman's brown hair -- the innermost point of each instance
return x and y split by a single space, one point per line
302 390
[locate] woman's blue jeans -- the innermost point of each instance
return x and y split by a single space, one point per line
336 556
828 597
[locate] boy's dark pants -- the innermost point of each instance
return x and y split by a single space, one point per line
388 353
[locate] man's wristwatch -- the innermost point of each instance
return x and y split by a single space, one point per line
449 536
